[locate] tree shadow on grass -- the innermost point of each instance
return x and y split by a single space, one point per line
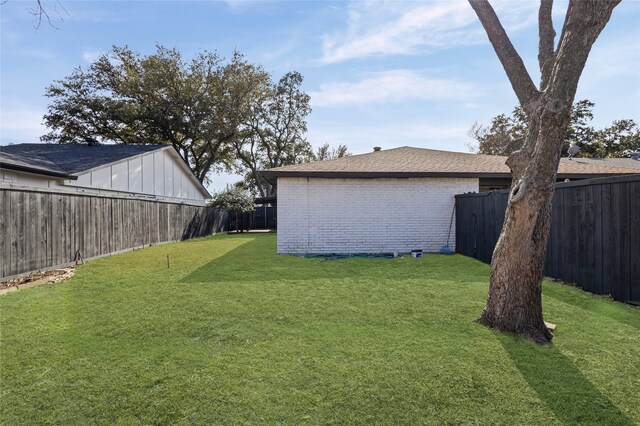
560 384
257 260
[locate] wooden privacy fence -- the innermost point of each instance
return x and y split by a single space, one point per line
595 233
264 217
42 229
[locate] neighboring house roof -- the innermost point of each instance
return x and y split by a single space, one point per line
420 162
70 160
610 162
35 164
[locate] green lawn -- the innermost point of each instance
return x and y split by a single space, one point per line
231 333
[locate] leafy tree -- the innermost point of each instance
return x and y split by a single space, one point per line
274 134
621 139
325 152
197 106
514 302
236 201
506 134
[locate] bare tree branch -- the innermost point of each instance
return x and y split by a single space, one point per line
581 28
39 12
512 63
547 38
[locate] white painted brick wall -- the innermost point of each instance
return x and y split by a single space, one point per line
319 215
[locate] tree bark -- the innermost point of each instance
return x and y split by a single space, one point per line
514 303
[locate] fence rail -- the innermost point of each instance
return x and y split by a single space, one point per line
595 233
42 229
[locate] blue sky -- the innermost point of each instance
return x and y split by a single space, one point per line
379 73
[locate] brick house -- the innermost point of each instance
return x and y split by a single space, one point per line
394 200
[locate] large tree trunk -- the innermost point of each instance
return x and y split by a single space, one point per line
514 303
515 295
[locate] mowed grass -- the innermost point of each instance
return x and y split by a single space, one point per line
232 333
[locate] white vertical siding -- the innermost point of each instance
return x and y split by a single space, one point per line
135 174
148 174
177 181
168 176
120 176
157 173
320 215
84 180
101 178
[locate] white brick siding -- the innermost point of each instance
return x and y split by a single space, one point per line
322 215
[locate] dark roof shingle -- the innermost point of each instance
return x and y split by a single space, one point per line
65 160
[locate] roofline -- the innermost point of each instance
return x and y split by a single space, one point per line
36 171
272 176
120 160
182 162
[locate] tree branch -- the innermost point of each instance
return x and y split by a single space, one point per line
546 46
512 63
583 24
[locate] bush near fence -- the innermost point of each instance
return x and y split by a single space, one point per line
42 229
595 233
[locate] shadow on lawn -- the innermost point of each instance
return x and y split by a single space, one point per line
562 387
257 260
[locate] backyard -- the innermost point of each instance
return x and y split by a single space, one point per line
221 330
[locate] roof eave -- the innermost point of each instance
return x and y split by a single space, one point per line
269 174
37 171
272 176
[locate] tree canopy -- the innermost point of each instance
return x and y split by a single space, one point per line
197 106
274 133
234 200
219 114
326 152
505 134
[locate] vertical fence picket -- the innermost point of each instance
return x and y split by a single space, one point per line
42 229
594 238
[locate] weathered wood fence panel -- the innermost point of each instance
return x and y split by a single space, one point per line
595 233
41 229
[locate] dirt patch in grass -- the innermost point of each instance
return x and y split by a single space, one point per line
41 277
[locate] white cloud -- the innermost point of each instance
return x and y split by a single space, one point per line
90 55
36 53
611 58
391 86
10 38
21 120
21 125
399 28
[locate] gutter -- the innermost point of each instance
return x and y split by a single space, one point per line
37 171
272 176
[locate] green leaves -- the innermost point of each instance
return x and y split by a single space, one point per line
506 133
274 135
233 199
198 106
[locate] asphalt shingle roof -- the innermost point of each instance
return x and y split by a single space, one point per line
68 159
420 162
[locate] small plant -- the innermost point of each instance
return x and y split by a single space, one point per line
236 201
